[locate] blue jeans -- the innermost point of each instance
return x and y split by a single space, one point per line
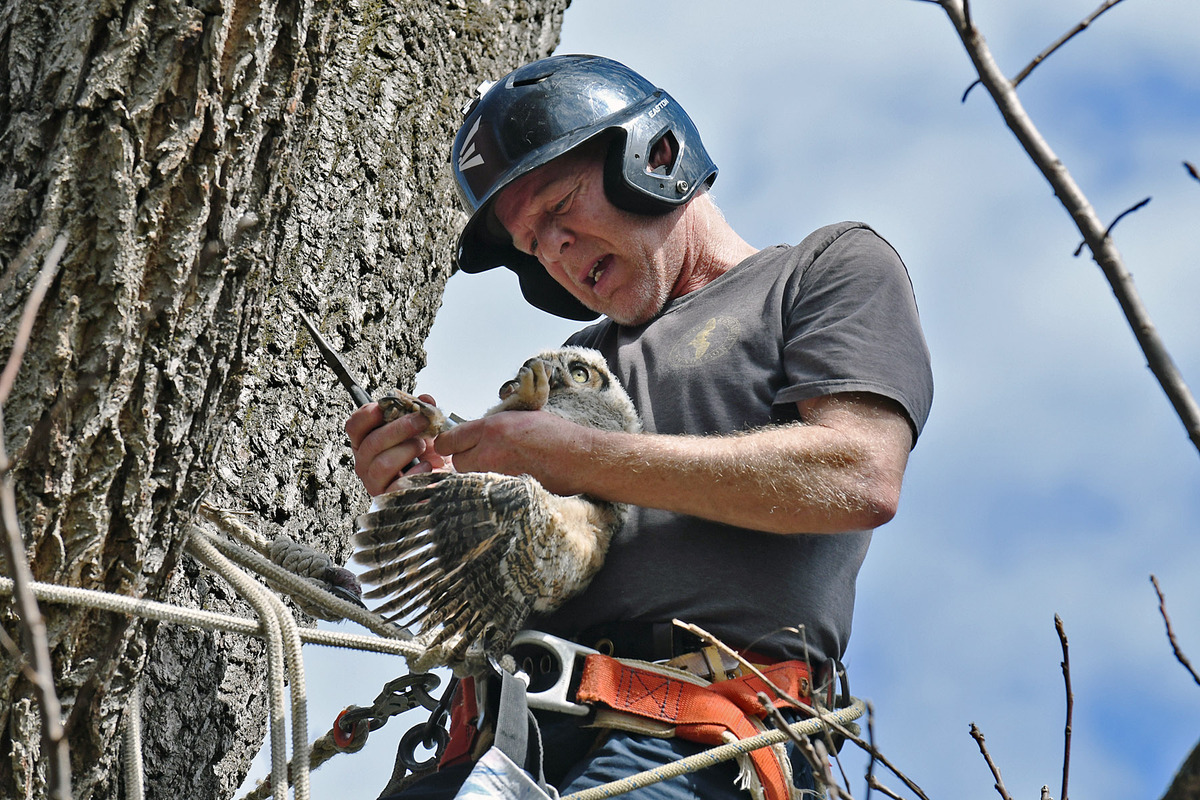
571 765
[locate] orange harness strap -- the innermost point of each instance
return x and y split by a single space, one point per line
699 713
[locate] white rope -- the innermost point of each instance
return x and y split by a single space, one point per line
131 746
294 584
290 645
209 620
206 620
249 589
717 754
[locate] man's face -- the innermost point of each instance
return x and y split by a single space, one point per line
619 264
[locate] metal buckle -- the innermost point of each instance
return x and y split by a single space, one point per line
550 664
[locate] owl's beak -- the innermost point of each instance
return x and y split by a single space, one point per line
557 378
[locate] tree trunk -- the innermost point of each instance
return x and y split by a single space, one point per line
205 161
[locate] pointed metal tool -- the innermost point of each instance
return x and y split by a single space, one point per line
352 384
357 392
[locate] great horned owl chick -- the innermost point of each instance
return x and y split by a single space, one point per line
469 556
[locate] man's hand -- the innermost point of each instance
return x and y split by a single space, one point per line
536 443
384 451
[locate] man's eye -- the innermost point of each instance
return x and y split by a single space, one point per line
533 243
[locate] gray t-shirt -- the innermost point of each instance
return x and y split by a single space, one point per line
833 314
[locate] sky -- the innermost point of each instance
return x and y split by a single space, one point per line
1053 476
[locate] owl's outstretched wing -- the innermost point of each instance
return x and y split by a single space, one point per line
437 547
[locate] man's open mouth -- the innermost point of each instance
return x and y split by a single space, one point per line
597 270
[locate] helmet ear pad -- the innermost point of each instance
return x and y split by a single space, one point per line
623 162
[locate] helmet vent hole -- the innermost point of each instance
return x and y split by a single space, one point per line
664 153
532 80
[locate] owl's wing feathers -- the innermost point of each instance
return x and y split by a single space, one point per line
465 551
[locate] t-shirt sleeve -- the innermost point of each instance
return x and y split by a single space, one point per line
852 326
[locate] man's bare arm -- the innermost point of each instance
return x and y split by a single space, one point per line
839 470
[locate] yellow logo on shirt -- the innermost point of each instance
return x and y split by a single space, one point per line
708 341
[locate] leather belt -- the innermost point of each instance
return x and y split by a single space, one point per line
644 641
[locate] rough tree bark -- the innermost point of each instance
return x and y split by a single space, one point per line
206 159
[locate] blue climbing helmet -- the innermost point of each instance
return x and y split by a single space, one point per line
539 112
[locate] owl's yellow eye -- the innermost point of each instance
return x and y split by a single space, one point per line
579 373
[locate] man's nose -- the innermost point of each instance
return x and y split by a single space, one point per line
554 241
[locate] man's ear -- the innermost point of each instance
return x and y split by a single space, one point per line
663 154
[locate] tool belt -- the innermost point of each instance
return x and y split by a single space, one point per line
699 696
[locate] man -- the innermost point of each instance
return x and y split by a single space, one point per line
781 389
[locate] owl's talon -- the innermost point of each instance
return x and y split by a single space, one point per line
397 405
530 390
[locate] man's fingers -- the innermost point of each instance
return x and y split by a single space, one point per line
362 422
461 437
382 452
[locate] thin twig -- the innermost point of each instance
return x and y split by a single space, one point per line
819 765
841 729
1113 224
18 263
873 783
1066 669
1104 251
1179 656
14 652
33 625
49 268
871 739
1040 57
978 736
834 792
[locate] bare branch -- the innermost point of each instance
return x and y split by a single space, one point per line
1066 668
873 783
1104 251
841 729
1179 656
1113 224
871 764
978 736
819 764
40 285
1042 56
33 625
18 263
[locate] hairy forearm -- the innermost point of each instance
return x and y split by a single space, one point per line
839 471
786 479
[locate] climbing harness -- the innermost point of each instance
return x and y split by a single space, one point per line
703 696
676 703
